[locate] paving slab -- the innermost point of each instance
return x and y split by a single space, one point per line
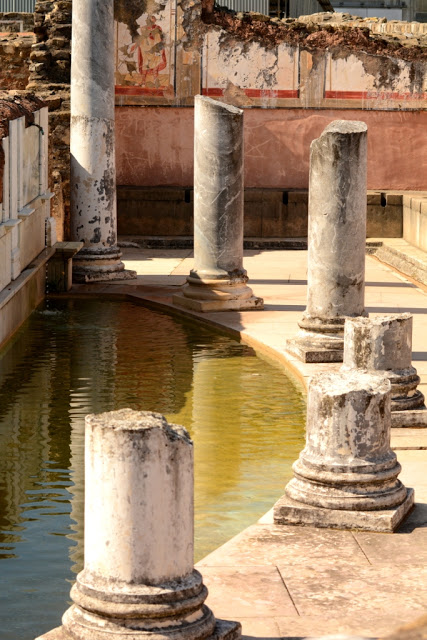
402 548
277 544
349 591
366 624
266 596
300 582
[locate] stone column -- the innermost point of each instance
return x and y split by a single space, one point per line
139 580
93 171
384 344
336 241
218 281
346 476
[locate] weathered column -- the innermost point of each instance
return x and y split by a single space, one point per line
346 476
384 344
139 580
92 145
218 281
336 241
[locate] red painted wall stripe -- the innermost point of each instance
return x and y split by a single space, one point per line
139 91
371 95
255 93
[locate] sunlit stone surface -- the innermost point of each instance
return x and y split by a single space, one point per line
218 281
384 344
139 579
92 144
347 475
336 241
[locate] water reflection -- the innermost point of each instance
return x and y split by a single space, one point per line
81 357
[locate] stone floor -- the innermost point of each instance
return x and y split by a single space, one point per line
290 582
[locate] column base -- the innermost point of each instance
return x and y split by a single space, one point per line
224 630
217 295
320 339
407 403
99 276
100 266
412 418
175 610
291 512
311 350
404 393
204 306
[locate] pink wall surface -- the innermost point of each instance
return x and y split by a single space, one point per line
155 146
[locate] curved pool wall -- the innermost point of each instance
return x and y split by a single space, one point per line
80 356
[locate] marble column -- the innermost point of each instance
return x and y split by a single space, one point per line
139 580
336 241
218 281
384 344
93 171
346 477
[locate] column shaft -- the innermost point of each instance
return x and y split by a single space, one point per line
218 280
218 190
139 580
336 241
92 143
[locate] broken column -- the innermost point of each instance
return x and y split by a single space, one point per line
347 475
139 580
218 281
384 344
93 171
336 241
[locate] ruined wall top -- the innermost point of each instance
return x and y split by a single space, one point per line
325 31
382 26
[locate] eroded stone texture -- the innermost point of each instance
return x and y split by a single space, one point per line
218 281
384 344
347 474
336 241
92 145
139 580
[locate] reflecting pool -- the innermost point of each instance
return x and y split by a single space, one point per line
80 356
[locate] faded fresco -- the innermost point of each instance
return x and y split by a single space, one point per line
249 75
165 55
145 50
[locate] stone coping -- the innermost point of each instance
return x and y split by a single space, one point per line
16 285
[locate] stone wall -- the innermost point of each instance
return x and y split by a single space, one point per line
24 205
269 213
415 219
15 50
50 78
51 57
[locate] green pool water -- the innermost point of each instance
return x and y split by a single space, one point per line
80 356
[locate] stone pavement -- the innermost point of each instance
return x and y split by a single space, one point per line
291 582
